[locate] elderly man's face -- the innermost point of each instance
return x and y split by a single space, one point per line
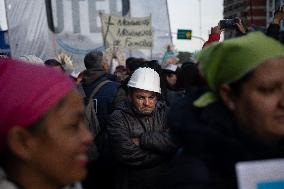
144 101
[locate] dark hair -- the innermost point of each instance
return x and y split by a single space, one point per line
120 68
82 74
5 153
164 82
53 63
236 86
35 128
134 63
189 76
93 60
169 72
154 65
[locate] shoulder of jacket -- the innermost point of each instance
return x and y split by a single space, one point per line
111 84
117 115
161 106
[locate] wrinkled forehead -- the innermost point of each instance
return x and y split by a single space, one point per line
143 92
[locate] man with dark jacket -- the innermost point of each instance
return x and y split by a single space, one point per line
97 72
139 134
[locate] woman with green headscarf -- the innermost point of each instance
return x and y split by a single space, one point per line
241 118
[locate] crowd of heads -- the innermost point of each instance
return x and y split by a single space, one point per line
42 114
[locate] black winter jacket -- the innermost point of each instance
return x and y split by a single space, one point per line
273 30
140 166
212 143
99 171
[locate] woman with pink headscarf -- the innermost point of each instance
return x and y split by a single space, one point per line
43 138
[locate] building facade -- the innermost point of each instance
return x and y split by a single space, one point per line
253 12
271 6
256 14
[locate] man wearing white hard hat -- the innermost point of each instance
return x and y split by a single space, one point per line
139 134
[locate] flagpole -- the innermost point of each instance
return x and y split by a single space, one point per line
152 38
8 26
107 30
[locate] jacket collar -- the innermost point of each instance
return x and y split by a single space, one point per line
93 75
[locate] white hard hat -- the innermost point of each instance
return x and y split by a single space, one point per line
146 79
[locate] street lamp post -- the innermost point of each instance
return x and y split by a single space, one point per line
200 18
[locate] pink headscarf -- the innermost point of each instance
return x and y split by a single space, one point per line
27 92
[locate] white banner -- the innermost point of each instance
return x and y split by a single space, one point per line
77 25
127 32
46 27
28 30
158 9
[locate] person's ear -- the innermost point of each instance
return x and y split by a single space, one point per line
20 142
225 93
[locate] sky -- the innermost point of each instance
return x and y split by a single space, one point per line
185 14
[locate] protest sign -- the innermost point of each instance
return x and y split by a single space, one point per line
127 32
47 27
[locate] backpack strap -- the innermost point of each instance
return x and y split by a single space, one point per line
97 88
81 90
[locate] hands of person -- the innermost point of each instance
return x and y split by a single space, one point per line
239 26
216 29
136 141
278 15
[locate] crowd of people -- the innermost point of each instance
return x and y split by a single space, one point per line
146 124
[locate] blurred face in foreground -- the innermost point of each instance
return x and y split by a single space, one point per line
260 106
59 150
144 101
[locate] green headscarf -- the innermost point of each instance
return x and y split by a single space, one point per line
229 61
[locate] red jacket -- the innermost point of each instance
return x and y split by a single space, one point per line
212 38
